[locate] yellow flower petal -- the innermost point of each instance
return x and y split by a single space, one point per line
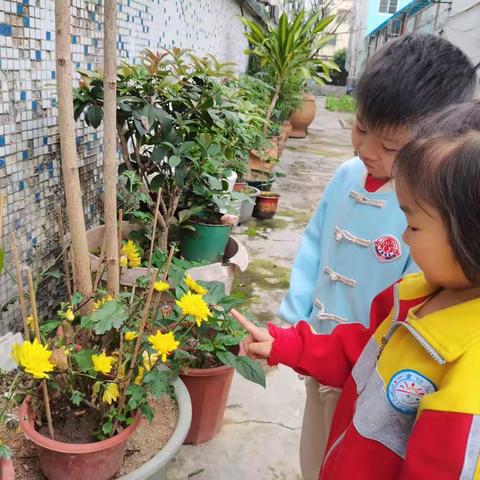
131 251
139 377
124 261
129 336
163 343
34 358
194 305
149 361
111 393
161 286
194 286
102 363
69 315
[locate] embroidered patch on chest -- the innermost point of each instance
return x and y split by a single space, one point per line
406 388
387 248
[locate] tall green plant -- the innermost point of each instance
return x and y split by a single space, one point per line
290 48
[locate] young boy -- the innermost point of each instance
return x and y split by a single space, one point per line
352 248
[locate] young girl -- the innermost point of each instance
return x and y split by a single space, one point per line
410 406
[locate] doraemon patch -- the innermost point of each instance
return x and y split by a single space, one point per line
387 248
406 388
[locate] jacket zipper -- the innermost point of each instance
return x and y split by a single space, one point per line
426 345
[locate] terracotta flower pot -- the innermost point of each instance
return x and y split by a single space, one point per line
6 469
266 205
208 389
303 118
92 461
239 186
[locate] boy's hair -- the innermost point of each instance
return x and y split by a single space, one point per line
444 172
410 77
451 121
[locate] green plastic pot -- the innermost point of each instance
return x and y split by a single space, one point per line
207 243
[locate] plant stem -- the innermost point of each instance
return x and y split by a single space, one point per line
21 298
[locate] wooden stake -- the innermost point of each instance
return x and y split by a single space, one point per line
36 328
154 229
68 151
66 270
2 204
110 144
100 267
165 276
21 298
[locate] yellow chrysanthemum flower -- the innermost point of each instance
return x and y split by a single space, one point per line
102 301
124 261
163 343
130 250
194 286
129 336
161 286
149 361
30 321
194 305
33 357
69 315
111 393
139 377
102 363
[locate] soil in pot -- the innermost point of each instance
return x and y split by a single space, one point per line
147 441
266 205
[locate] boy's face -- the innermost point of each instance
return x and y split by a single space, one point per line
377 150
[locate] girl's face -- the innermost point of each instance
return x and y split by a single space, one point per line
426 235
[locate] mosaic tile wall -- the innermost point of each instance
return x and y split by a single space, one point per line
29 145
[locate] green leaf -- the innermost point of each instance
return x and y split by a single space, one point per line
147 412
94 116
107 427
110 315
158 381
227 358
174 161
159 153
77 297
216 292
77 397
227 340
83 359
52 273
251 370
49 326
137 396
5 451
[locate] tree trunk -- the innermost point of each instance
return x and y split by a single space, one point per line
109 145
68 150
272 106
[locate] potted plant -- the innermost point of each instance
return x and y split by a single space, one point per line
245 207
207 351
266 205
290 50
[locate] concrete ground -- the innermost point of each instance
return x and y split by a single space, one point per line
260 436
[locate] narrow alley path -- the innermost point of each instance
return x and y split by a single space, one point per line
260 435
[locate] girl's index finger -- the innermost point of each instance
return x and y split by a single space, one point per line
246 324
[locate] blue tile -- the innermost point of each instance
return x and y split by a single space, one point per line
25 2
19 9
89 66
34 105
23 96
45 140
54 74
26 22
21 185
5 29
37 197
2 163
49 36
85 49
54 102
38 55
34 241
2 140
74 39
25 155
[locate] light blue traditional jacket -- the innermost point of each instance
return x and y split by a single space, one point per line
351 250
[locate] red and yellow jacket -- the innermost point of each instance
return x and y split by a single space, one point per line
410 406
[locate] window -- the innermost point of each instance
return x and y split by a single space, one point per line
388 6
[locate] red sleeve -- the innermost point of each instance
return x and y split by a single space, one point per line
327 358
443 446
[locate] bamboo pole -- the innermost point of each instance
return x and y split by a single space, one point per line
36 328
154 229
21 298
109 145
61 234
68 151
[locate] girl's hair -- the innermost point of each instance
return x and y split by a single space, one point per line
443 171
